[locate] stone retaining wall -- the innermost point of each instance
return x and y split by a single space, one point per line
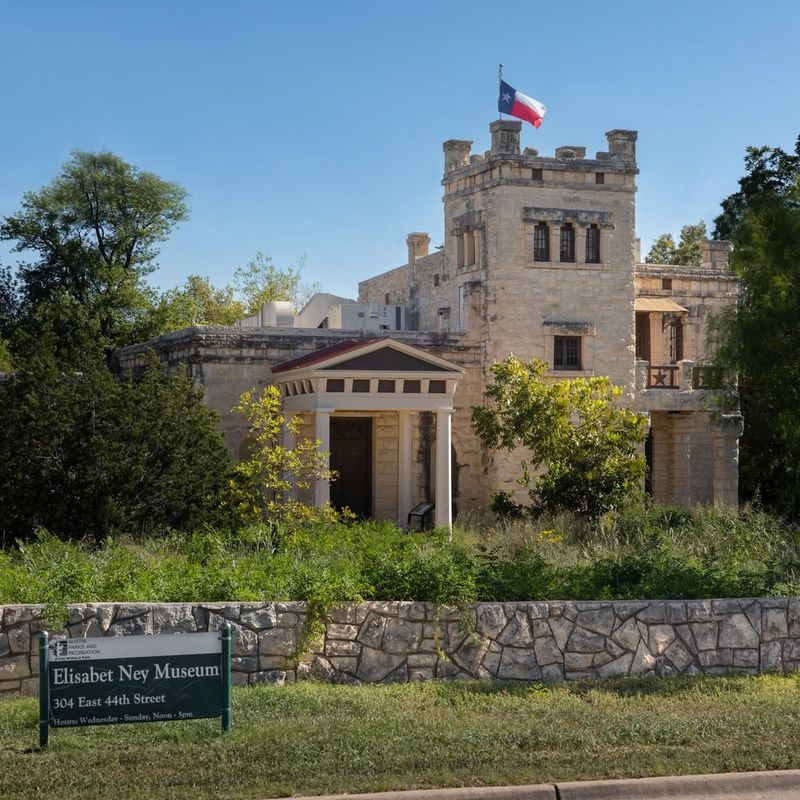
406 641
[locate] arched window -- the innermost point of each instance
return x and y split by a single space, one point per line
593 245
541 242
567 242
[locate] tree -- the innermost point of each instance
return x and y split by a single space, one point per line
198 302
761 338
260 281
85 454
687 252
93 232
771 173
262 483
662 250
581 447
6 364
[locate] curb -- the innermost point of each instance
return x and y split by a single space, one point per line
778 785
783 785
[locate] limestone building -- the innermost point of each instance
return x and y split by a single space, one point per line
539 259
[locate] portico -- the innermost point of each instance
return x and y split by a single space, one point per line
386 384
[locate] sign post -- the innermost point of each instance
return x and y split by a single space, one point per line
116 679
44 690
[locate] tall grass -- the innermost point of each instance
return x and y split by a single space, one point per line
650 553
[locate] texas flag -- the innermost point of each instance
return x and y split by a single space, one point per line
520 105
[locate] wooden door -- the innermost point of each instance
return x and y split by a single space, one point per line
351 457
643 335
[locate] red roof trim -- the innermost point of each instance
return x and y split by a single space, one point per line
324 353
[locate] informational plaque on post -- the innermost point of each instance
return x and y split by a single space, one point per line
112 680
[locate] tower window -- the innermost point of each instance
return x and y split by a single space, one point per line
567 242
567 352
541 242
593 245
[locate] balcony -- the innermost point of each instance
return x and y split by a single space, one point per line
676 387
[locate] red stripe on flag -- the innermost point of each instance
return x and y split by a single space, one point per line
523 111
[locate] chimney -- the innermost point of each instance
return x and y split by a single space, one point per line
622 145
714 254
505 137
456 154
418 245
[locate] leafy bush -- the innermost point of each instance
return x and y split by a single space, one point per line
644 554
580 447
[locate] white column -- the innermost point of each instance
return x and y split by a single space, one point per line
403 467
322 422
444 488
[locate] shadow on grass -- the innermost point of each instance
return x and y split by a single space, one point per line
619 687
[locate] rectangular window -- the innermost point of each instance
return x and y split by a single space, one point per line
335 384
593 245
386 386
436 279
666 283
360 385
437 387
567 243
411 387
537 175
567 352
541 242
599 177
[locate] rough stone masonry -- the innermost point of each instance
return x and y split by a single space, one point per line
391 641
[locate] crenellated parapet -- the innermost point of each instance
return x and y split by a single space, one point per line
506 163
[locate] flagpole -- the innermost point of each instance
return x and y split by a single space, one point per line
500 78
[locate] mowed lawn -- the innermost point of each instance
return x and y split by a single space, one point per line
314 738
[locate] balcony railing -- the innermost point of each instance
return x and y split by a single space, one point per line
683 376
663 377
706 377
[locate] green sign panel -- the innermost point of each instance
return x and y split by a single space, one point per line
111 680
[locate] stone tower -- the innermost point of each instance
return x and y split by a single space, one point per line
549 242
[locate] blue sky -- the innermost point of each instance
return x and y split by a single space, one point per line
316 127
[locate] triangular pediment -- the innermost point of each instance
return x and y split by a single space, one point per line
376 355
387 359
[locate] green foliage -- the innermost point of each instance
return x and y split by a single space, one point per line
260 281
636 554
94 231
771 173
198 302
761 339
84 454
6 364
264 486
686 252
582 447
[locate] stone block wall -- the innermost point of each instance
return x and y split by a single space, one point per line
391 641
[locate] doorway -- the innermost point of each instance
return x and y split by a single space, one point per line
351 457
643 335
